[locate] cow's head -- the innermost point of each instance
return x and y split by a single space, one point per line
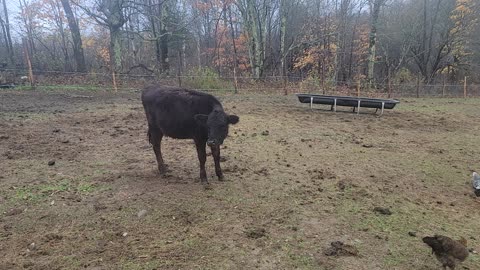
217 125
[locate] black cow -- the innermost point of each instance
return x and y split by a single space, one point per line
186 114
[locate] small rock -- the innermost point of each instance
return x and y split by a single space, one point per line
52 202
412 234
8 155
382 210
98 206
53 237
65 141
338 248
265 133
124 234
4 137
51 163
341 185
56 130
367 145
142 213
32 246
13 212
256 233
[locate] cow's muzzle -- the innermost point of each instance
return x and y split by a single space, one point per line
211 143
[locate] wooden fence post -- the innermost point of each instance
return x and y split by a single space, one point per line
114 80
179 70
389 87
358 88
235 82
443 86
29 63
418 86
465 87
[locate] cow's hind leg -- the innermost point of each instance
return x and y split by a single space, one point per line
155 137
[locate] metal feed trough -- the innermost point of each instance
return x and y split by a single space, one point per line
7 85
355 102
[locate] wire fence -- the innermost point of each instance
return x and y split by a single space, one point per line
103 81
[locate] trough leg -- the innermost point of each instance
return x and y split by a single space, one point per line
202 158
155 137
383 107
311 102
216 159
335 105
358 110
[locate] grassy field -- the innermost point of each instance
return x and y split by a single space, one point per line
313 178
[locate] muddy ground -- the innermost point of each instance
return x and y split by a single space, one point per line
297 180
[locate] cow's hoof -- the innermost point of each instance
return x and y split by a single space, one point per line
206 185
163 169
221 178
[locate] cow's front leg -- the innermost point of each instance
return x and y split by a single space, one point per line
202 158
216 159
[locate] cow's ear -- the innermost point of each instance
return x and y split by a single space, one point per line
201 119
233 119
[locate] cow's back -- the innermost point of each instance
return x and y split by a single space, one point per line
172 110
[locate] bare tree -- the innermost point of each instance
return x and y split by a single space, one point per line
375 6
5 22
76 37
110 14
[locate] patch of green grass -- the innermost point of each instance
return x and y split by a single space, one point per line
27 194
143 265
63 185
70 262
302 261
25 116
85 187
36 193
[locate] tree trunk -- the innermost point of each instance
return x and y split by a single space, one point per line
153 24
283 28
4 32
235 57
165 61
257 43
115 49
57 10
76 37
372 40
8 35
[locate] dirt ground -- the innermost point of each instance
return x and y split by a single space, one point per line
297 180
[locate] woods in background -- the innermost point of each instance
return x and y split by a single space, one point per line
332 42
